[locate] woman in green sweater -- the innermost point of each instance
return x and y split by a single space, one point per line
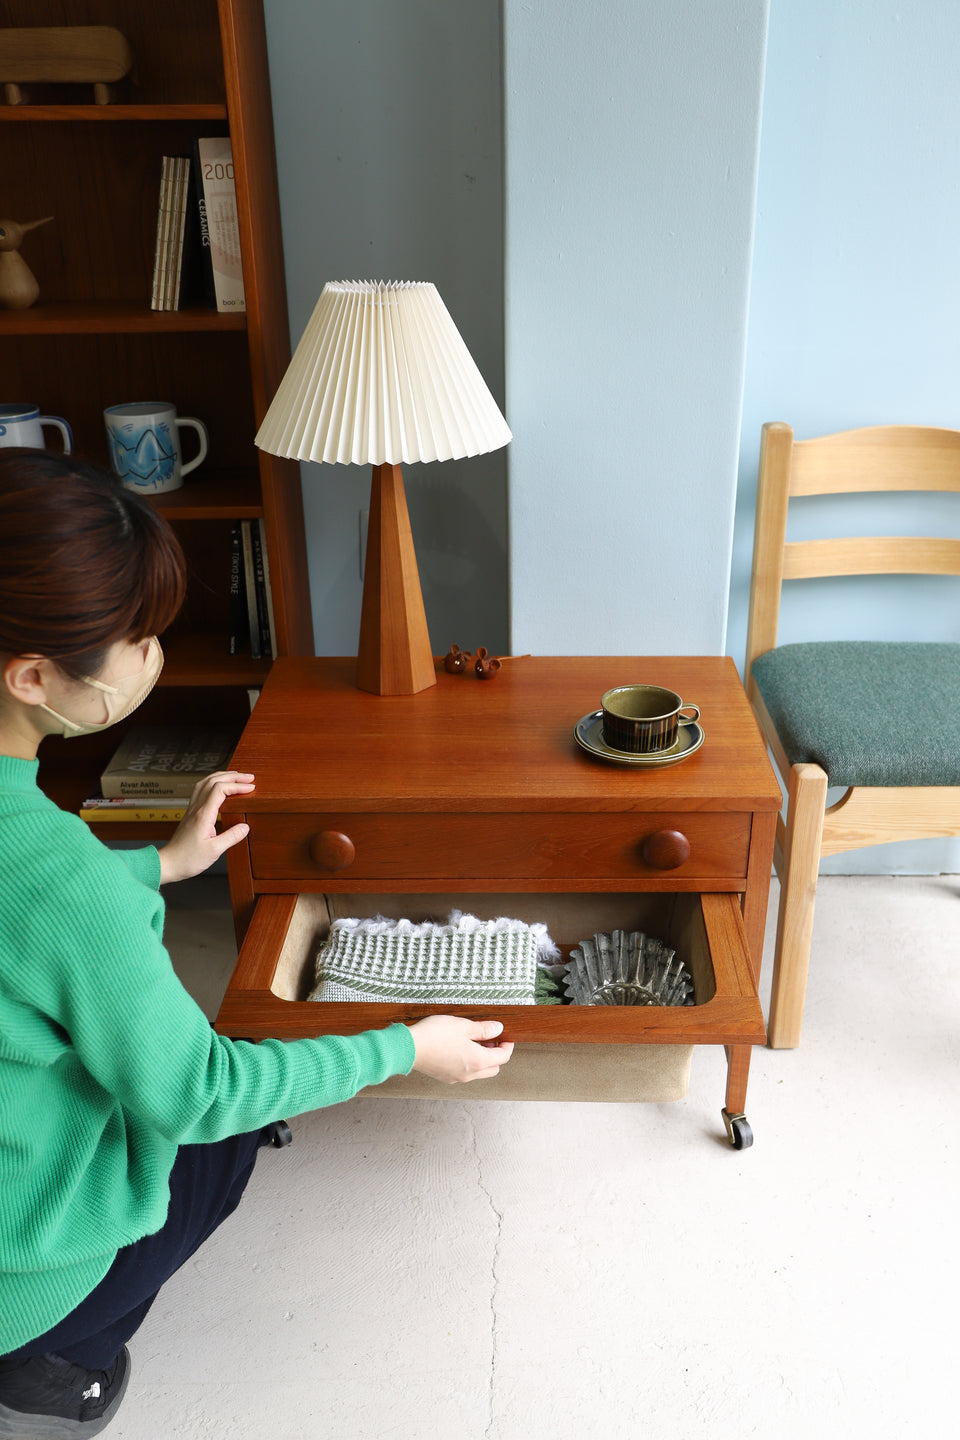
128 1127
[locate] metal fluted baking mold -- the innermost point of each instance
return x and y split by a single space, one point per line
627 967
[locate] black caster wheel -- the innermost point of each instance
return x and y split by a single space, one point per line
738 1130
282 1134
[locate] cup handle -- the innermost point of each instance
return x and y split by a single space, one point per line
64 429
689 719
202 436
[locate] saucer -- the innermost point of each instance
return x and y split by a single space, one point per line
588 734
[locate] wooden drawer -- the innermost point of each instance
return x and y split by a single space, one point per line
409 852
563 1052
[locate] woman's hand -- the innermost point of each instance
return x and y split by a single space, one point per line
448 1048
195 843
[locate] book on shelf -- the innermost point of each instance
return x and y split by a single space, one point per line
164 216
259 546
217 205
165 762
176 265
207 285
251 618
250 590
272 627
178 233
171 229
187 277
138 809
238 595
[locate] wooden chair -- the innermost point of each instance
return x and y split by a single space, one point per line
879 719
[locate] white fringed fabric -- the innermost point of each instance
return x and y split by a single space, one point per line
463 962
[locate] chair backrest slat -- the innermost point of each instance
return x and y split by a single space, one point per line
776 448
885 457
871 555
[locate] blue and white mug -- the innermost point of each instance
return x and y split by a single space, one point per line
144 440
23 425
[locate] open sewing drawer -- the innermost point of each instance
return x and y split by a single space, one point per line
564 1052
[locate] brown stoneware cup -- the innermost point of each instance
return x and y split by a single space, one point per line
643 719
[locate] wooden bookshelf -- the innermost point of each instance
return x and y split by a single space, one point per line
91 340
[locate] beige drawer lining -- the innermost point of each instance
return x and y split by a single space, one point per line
648 1073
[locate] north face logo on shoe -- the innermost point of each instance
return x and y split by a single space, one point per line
93 1393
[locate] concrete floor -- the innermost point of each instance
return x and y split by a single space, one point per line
445 1270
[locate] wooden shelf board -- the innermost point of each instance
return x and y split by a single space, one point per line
112 318
202 659
27 114
140 830
229 496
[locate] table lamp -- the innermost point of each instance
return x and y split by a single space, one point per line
381 376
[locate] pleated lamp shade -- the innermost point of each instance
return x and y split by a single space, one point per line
381 376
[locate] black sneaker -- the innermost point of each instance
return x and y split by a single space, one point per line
48 1397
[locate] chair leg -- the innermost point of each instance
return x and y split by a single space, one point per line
798 892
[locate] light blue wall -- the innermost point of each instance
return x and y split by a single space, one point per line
855 300
630 157
389 153
628 165
631 131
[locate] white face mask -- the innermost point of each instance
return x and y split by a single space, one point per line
121 699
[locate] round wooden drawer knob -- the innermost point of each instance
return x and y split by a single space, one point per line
332 851
665 849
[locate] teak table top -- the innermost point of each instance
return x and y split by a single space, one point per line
317 743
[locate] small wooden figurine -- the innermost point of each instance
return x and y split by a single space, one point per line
18 285
461 662
486 669
56 54
457 660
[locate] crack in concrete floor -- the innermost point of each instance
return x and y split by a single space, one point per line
490 1431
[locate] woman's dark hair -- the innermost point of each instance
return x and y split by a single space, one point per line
83 562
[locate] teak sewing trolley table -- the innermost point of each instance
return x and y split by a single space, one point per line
474 795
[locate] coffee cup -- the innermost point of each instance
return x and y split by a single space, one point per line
23 425
144 440
642 719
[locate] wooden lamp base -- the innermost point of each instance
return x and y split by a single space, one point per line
394 655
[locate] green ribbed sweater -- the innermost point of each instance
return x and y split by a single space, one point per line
106 1063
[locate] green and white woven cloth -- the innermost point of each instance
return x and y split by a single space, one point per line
463 962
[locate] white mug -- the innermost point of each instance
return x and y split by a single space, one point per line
23 425
144 440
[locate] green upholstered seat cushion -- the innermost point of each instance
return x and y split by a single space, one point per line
870 713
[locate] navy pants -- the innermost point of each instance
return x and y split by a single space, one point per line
206 1184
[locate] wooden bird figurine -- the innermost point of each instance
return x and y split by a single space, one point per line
18 285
